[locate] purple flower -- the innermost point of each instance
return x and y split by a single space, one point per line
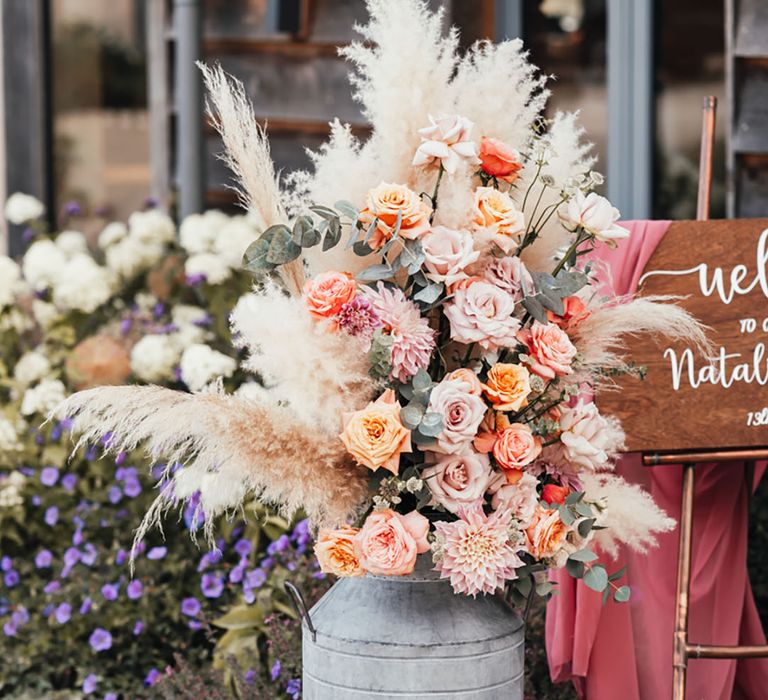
255 578
159 309
236 575
134 589
20 616
211 585
132 487
85 607
51 515
157 553
208 559
77 537
120 459
301 534
110 696
293 688
249 595
152 677
110 591
36 500
27 471
138 627
43 559
91 453
120 557
194 625
190 607
71 557
100 640
48 609
11 578
88 557
69 481
72 208
243 548
56 432
195 280
49 476
274 672
125 326
279 545
114 494
6 563
9 629
266 563
150 203
51 587
249 676
63 613
89 684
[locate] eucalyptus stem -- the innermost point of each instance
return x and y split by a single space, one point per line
579 240
530 187
535 207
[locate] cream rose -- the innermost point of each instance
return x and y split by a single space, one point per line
385 204
495 219
335 552
595 214
461 411
482 314
446 142
516 447
521 497
447 253
325 294
458 480
464 374
550 350
507 386
510 274
588 438
375 436
386 546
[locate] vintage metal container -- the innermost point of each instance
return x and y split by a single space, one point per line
411 637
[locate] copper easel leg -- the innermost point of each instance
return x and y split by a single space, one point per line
682 595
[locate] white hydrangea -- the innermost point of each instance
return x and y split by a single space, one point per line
112 233
82 284
20 208
9 439
10 490
184 317
131 256
253 391
151 226
198 232
31 367
45 313
13 319
43 398
145 301
210 265
232 240
71 243
201 364
42 263
154 358
10 276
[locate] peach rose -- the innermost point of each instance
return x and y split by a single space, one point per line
418 527
98 361
492 426
546 534
325 294
575 311
468 376
335 552
386 545
516 447
375 436
552 493
550 350
499 160
388 201
495 219
507 386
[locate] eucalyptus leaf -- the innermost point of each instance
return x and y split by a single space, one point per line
282 249
430 294
325 212
361 248
622 594
422 440
375 273
255 256
616 575
583 555
331 238
411 415
566 516
574 568
421 380
574 497
544 588
585 526
535 308
346 208
431 424
551 299
596 578
304 232
583 510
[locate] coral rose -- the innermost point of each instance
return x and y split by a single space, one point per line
516 447
335 552
507 386
375 436
482 314
495 219
385 204
458 480
550 350
98 361
552 493
574 311
546 534
325 294
386 546
461 411
446 253
499 160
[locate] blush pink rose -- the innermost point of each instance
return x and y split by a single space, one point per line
482 313
458 480
446 253
386 546
462 412
550 350
511 275
588 438
325 294
520 498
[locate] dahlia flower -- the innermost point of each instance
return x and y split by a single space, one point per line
475 552
413 339
358 318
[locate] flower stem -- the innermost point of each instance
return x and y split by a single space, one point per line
434 194
580 238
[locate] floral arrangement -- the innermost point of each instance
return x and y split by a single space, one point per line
428 330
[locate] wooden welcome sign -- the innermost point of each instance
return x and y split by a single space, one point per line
687 401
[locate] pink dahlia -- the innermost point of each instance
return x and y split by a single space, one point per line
413 339
358 317
475 552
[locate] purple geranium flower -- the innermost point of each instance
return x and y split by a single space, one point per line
279 545
9 629
89 684
89 554
110 696
120 557
71 557
51 515
138 627
274 672
6 563
114 494
20 616
63 613
236 575
51 587
243 548
69 481
43 559
157 553
11 578
100 640
120 459
293 688
211 585
249 676
132 487
134 589
255 578
49 476
152 677
72 208
85 607
77 537
190 607
110 591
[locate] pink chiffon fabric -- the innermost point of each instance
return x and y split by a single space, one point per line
625 650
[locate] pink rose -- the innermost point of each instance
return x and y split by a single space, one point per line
461 411
595 214
521 497
499 160
446 142
511 275
516 447
328 292
386 545
588 438
482 313
418 528
550 350
468 376
458 480
447 253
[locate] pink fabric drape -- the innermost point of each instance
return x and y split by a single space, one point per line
625 650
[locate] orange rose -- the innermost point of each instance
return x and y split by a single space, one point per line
507 386
386 545
375 436
463 284
488 433
466 375
552 493
575 311
328 292
495 219
499 160
385 204
335 552
546 534
516 447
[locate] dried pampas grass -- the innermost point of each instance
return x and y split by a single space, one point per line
630 517
229 448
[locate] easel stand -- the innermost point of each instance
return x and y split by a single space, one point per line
683 649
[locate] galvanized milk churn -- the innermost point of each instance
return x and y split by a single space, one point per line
410 637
